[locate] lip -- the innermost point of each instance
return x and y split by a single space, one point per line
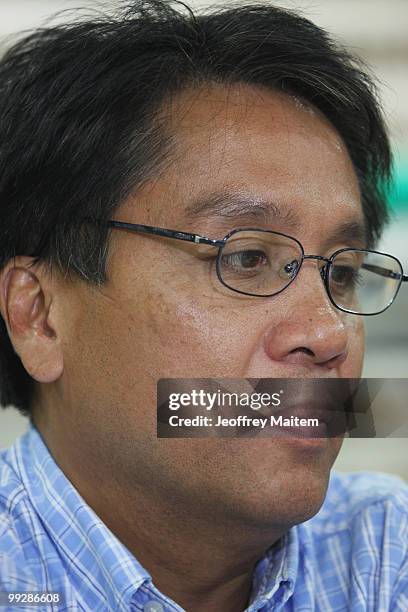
300 443
309 438
331 423
307 410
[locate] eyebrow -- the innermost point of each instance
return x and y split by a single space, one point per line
351 231
232 205
229 205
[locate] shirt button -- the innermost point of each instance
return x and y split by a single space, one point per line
153 606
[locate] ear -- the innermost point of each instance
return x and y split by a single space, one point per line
27 296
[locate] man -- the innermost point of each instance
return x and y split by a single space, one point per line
243 118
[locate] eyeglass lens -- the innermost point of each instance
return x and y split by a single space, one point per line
364 283
264 263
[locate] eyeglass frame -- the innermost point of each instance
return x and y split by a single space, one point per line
220 244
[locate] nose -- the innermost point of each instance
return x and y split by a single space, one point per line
311 332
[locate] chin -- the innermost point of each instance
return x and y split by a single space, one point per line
283 492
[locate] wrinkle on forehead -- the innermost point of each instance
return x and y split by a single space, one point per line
229 105
218 111
267 143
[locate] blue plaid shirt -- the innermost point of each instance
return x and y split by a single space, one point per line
352 555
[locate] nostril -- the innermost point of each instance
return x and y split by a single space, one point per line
303 349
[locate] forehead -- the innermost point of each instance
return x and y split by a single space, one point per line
260 144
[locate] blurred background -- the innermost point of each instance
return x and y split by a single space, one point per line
378 31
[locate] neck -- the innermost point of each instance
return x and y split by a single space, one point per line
204 561
203 564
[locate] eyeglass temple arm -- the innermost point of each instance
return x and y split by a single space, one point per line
384 272
161 231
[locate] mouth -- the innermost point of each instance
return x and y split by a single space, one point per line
311 419
306 410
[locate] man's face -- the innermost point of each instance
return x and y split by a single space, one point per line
163 312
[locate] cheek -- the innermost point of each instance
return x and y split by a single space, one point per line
204 337
352 367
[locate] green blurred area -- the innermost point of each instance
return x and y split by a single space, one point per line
398 197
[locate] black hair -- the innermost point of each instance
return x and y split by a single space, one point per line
81 126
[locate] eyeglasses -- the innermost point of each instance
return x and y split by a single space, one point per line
263 263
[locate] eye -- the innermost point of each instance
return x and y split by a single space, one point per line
245 260
344 276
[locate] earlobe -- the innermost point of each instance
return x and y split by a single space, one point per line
25 303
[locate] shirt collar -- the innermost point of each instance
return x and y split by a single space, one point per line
73 525
275 574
